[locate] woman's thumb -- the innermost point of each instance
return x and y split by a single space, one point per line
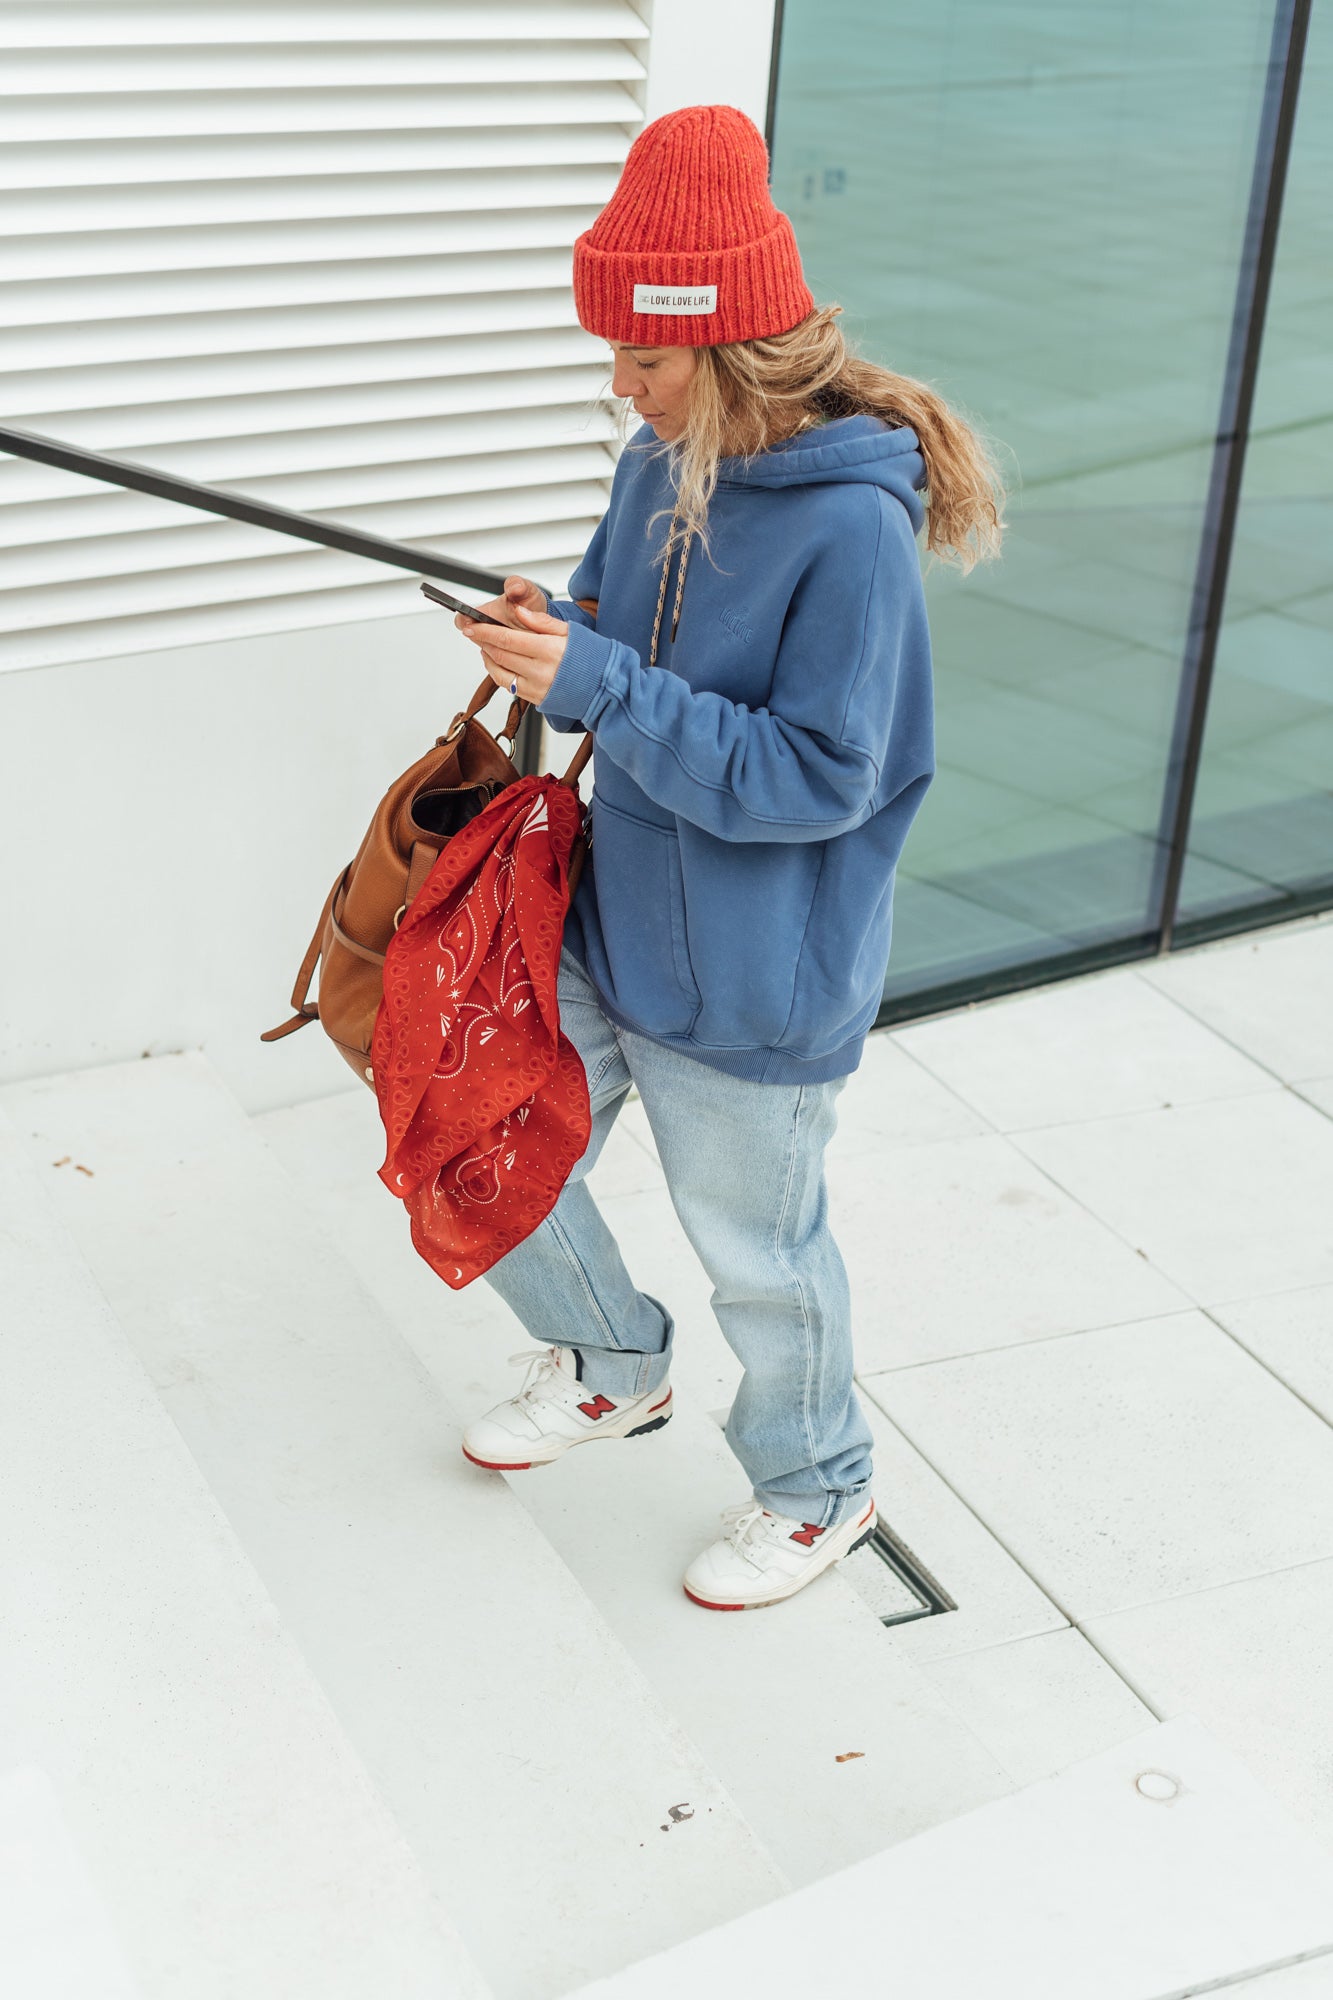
540 621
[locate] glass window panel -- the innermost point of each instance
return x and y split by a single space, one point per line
1039 210
1263 807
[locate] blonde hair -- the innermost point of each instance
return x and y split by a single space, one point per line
748 394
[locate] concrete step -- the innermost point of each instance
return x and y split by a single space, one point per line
1153 1871
57 1939
773 1699
180 1811
526 1760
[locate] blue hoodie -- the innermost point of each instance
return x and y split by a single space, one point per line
752 792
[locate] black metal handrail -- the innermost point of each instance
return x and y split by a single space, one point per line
282 520
259 513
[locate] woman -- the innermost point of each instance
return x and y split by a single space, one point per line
757 676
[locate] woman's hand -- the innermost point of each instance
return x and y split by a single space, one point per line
518 591
529 649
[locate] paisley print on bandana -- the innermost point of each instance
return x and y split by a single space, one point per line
483 1100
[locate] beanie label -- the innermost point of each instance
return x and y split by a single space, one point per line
688 300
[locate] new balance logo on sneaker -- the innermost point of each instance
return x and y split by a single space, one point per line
552 1413
806 1533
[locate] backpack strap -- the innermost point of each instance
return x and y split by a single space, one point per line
306 1010
578 763
519 709
580 758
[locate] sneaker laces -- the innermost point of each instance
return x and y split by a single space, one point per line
743 1526
542 1367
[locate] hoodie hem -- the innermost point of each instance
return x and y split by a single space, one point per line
751 1065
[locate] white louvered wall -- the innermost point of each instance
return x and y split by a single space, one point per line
316 251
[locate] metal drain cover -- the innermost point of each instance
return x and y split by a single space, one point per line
887 1594
893 1580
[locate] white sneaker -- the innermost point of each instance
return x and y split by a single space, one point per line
553 1412
760 1557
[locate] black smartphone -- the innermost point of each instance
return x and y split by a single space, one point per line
439 596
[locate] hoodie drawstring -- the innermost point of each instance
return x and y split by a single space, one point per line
661 593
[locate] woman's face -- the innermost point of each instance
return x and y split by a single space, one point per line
657 381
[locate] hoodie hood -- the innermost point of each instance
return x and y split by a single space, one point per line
849 451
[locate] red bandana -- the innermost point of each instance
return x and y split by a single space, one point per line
483 1099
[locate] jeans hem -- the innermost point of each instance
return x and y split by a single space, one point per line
621 1372
823 1510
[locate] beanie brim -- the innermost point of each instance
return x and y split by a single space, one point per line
759 291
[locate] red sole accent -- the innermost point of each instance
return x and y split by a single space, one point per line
662 1405
709 1605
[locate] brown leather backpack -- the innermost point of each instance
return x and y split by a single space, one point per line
441 792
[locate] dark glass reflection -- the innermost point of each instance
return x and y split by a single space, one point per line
1261 835
1040 210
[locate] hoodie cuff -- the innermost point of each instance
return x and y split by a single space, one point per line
571 613
579 677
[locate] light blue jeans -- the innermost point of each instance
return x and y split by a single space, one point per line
744 1164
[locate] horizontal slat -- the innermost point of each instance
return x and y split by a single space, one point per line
125 385
256 244
143 115
36 611
87 212
275 285
246 463
313 65
75 24
325 410
430 523
169 590
274 329
316 252
341 495
547 563
236 158
341 491
196 625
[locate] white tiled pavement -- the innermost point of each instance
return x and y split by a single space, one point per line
1090 1230
1157 1870
1163 1473
1091 1234
463 1673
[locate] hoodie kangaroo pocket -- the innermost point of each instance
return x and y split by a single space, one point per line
641 909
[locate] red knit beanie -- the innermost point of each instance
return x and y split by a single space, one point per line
690 251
